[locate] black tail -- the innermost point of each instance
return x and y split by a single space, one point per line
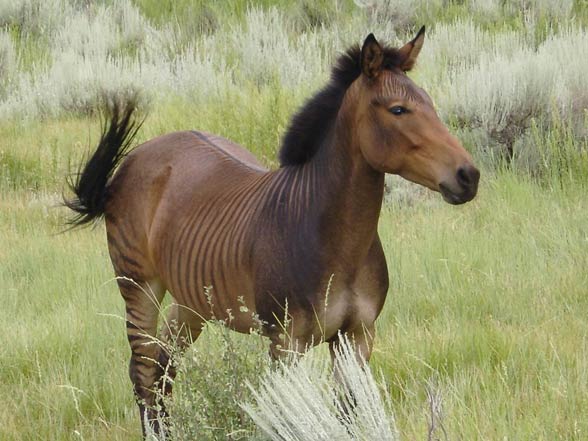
89 184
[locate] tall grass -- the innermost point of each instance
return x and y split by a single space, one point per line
63 361
486 300
7 61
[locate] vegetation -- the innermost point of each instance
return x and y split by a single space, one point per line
483 335
304 401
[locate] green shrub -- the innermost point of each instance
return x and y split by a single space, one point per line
227 388
211 382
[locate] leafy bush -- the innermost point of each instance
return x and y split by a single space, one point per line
211 383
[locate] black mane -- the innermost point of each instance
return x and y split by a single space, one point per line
312 122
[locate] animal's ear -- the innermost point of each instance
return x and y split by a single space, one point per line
372 56
410 51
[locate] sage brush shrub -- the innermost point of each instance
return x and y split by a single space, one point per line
409 14
34 17
310 400
402 15
490 84
441 54
504 92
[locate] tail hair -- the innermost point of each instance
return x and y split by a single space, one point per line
90 182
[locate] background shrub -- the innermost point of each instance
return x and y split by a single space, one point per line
491 84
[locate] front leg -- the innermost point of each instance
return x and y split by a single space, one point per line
369 293
362 341
362 344
292 338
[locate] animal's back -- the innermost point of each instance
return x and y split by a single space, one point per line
177 211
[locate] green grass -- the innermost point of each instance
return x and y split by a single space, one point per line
487 303
64 357
487 299
490 301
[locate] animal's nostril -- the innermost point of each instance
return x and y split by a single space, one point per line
468 177
463 177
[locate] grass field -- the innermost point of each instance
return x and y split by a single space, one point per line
488 302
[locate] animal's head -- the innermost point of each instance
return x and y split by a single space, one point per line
398 128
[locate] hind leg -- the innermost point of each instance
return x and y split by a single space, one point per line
142 301
181 327
179 330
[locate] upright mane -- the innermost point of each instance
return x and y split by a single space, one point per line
312 122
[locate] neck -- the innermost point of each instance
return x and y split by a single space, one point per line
338 192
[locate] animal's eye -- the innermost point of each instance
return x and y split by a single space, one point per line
398 110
